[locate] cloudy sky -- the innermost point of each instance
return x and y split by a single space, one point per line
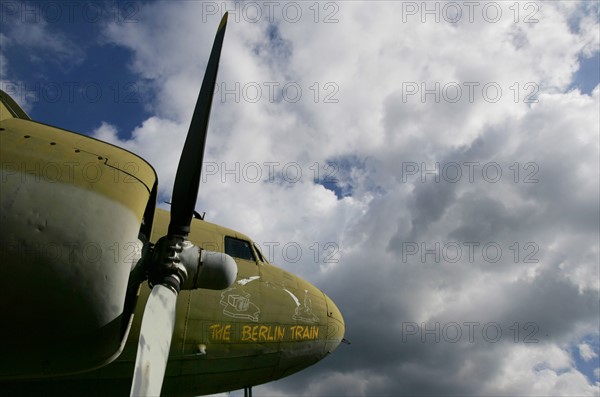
433 167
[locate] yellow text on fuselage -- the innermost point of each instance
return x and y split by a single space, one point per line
263 333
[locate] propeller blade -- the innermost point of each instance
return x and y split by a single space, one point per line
187 179
165 271
155 340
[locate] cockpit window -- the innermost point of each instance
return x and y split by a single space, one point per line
260 255
238 248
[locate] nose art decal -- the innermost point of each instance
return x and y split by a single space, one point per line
303 312
236 301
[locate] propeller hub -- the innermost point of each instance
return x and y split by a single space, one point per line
166 267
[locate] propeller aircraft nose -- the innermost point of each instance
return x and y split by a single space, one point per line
217 316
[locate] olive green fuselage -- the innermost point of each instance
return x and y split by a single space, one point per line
77 215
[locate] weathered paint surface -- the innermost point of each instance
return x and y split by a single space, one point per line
66 205
72 310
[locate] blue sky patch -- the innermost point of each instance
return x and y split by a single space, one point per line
587 365
338 176
64 75
587 76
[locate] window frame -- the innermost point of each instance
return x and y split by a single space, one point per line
239 240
